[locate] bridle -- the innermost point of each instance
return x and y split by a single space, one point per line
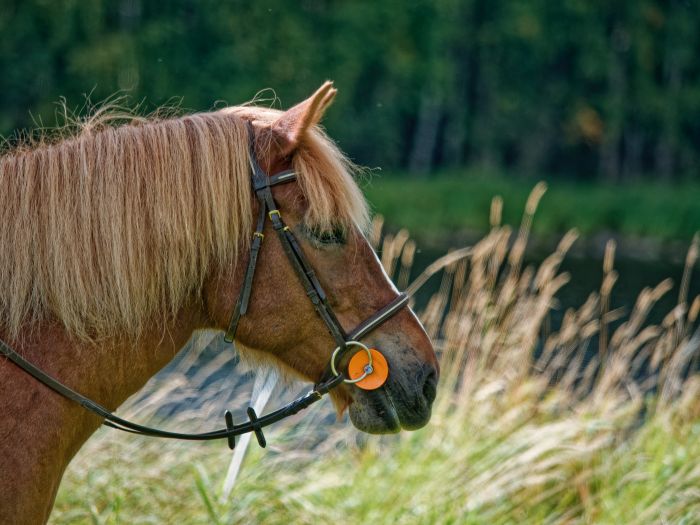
331 378
262 186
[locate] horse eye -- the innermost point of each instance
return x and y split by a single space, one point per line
335 235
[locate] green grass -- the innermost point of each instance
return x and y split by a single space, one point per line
578 473
451 203
524 429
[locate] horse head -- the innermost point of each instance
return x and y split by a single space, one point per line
326 212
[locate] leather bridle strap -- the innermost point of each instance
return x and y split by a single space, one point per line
241 306
254 424
262 184
378 318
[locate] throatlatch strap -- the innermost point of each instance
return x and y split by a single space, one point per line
242 302
260 180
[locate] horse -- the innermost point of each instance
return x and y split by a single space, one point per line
121 240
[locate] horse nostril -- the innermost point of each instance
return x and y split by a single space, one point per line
430 386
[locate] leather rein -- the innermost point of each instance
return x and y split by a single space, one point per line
331 378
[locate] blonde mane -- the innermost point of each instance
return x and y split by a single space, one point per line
116 227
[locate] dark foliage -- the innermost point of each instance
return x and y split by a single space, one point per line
577 87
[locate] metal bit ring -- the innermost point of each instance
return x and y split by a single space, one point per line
368 367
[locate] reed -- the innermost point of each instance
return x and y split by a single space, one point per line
591 423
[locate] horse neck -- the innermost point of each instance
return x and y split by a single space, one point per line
40 431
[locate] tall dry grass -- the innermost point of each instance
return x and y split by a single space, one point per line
596 422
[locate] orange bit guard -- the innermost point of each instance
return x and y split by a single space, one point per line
378 375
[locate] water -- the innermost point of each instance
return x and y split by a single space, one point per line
586 275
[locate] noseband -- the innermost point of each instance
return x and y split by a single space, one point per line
331 378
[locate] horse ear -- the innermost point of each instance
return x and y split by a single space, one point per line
290 127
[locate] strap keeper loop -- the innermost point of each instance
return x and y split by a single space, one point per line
230 428
257 429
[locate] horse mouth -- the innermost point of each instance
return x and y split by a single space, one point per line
404 401
377 412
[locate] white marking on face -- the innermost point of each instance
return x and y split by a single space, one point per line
396 290
386 276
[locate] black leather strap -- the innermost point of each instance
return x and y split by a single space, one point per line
378 318
43 377
242 302
259 181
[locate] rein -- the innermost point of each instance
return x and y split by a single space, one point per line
331 378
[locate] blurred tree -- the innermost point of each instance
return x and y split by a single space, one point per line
578 87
